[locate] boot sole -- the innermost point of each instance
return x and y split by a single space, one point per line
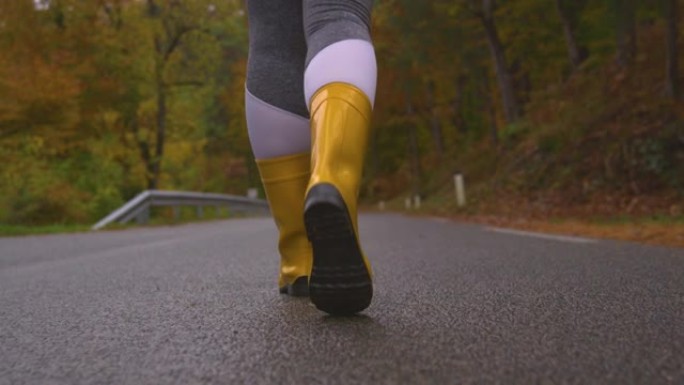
298 288
340 283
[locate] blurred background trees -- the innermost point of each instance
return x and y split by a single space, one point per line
552 104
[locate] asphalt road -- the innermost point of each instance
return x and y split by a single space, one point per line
454 304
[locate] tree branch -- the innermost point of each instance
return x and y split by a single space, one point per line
175 41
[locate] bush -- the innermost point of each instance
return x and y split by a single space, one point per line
55 203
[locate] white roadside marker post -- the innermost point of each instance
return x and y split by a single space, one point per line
252 193
460 190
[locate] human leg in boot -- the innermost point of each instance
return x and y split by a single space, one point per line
278 125
340 80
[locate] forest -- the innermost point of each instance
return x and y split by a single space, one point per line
548 108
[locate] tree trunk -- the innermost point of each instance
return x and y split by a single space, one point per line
413 146
576 53
626 31
161 134
144 148
493 128
435 126
672 14
490 107
457 106
503 75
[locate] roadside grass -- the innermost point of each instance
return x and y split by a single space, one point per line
17 230
630 220
642 230
159 216
662 230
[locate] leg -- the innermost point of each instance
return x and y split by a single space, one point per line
339 45
339 84
278 125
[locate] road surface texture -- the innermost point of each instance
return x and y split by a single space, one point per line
454 304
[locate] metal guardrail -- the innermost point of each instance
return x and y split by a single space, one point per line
139 207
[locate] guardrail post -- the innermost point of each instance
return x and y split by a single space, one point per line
200 212
176 213
143 217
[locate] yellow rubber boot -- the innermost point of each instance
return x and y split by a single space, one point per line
340 281
285 180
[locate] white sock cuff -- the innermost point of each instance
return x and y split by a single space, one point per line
349 61
274 132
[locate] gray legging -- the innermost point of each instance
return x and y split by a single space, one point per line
284 35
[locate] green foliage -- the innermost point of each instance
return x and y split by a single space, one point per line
79 85
514 133
663 156
85 88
